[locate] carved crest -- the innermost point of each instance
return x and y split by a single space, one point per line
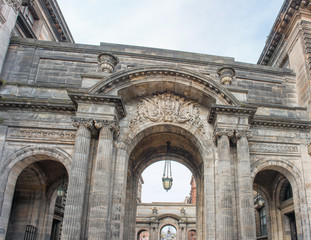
167 107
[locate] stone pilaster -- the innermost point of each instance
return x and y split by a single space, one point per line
100 195
224 181
77 181
245 188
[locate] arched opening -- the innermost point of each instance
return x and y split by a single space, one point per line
192 235
143 235
275 208
151 148
36 210
168 232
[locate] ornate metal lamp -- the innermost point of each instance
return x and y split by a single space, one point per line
167 179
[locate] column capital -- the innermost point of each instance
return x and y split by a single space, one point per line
112 125
88 123
243 133
218 132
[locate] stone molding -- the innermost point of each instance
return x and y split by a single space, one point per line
167 107
280 122
113 126
281 23
279 148
37 105
121 77
41 135
77 96
231 110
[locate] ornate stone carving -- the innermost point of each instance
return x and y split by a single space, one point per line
273 148
218 132
76 122
112 125
46 135
243 133
15 4
167 108
107 62
226 75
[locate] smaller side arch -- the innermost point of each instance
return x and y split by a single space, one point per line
295 179
15 164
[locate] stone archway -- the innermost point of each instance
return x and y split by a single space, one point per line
27 162
272 179
149 146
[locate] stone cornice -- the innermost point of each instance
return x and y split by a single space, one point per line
232 110
280 122
281 23
40 105
56 18
78 96
150 53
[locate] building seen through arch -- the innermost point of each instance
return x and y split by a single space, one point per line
79 124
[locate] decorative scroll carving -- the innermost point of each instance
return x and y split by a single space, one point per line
76 122
243 133
221 131
112 125
41 134
273 148
167 108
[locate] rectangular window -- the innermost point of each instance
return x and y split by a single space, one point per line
28 16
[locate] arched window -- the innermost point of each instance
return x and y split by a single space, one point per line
192 235
143 235
168 232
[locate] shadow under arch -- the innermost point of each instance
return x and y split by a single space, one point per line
293 175
15 164
148 145
123 81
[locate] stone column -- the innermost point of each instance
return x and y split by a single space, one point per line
224 210
100 195
245 188
77 181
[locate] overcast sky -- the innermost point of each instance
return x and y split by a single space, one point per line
226 28
233 28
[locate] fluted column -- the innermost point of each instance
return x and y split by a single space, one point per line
77 181
100 194
224 181
245 188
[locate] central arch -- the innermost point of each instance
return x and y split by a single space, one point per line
149 146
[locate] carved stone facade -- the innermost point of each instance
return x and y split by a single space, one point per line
92 118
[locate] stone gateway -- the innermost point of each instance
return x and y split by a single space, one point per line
91 119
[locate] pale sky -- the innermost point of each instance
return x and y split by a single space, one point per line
226 28
230 28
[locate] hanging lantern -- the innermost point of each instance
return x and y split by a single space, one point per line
61 192
167 179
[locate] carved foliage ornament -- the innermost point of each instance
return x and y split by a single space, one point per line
167 107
